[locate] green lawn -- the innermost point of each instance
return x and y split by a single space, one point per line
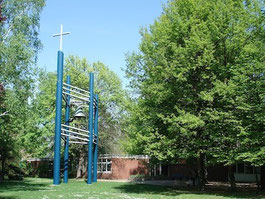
36 188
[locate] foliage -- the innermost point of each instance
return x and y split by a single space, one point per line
112 99
19 45
137 177
194 77
19 41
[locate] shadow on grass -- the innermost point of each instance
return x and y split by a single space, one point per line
176 191
8 197
24 185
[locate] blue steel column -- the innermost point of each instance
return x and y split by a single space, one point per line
57 137
90 128
95 161
66 147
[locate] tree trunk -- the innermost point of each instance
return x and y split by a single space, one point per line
202 172
2 175
257 179
231 177
81 171
262 178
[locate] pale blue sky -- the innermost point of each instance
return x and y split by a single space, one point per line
101 30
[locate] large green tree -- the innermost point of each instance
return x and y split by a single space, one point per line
190 78
19 45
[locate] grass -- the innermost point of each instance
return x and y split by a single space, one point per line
37 188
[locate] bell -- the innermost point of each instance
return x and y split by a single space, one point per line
79 112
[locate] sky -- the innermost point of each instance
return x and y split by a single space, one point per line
101 30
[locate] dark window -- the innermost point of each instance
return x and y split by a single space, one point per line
240 168
165 170
234 168
248 169
257 170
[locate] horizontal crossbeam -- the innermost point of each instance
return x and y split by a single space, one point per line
73 142
75 137
74 87
78 129
79 89
74 91
81 98
77 97
73 132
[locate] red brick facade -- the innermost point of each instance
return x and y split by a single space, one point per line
124 167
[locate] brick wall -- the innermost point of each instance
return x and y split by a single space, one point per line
123 168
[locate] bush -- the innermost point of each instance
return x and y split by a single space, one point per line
14 172
138 177
27 168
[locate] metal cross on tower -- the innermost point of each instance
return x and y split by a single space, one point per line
61 37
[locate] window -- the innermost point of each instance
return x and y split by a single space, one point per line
240 168
104 165
248 169
234 168
257 169
244 168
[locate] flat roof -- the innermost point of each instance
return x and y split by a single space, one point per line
124 156
39 159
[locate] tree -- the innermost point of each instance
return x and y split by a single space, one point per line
19 45
187 79
251 84
112 98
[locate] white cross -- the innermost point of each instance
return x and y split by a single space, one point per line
61 37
